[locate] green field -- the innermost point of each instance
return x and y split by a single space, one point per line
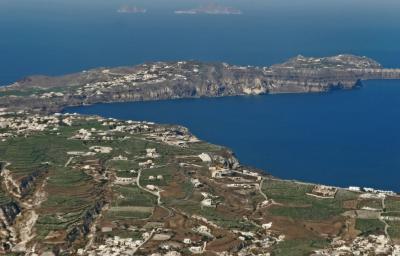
122 165
166 171
71 193
133 196
370 226
131 203
372 203
392 204
298 247
212 214
299 205
394 229
27 154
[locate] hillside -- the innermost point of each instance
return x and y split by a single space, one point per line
86 185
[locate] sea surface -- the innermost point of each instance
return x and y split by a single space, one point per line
341 138
61 36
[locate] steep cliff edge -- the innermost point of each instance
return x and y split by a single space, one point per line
171 80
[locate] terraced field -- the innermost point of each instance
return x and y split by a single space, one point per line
132 202
297 204
89 184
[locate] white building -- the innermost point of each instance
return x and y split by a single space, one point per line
196 249
120 158
207 202
151 153
187 241
205 157
151 187
125 180
196 183
266 225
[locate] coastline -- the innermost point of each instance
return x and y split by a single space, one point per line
199 162
190 79
274 152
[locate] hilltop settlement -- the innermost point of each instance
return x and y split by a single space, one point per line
87 185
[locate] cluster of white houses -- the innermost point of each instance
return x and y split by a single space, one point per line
372 190
22 124
139 75
115 246
370 245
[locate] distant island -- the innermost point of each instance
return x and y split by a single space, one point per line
211 9
190 79
131 9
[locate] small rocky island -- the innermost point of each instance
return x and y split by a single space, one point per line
190 79
131 9
212 10
87 185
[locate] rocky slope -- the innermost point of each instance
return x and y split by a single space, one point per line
171 80
110 187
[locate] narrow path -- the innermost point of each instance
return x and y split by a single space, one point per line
157 194
260 189
69 161
144 242
384 221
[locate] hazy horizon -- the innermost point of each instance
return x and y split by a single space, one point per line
56 37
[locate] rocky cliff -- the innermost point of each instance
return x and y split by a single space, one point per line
171 80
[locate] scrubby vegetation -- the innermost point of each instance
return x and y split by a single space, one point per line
370 226
298 205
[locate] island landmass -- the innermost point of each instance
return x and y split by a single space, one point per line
211 10
87 185
131 9
190 79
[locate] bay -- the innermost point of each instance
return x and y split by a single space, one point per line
341 138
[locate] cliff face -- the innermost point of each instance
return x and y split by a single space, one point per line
8 214
9 210
170 80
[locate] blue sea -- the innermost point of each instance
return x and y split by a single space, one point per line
62 36
341 138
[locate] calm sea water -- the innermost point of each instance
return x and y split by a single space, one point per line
341 138
62 36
